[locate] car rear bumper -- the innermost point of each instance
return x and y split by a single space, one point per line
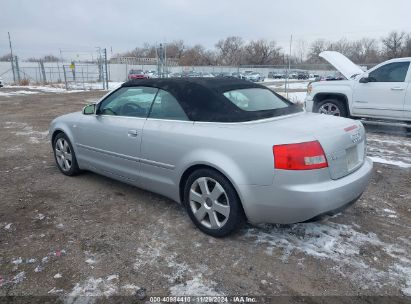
300 196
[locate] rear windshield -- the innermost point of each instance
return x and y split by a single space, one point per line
256 99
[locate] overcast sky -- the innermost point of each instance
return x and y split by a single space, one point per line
43 27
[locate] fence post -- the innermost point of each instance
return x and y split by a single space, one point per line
43 71
65 77
82 76
17 70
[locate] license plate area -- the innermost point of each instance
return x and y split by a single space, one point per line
352 158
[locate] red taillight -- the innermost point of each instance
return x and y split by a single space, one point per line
302 156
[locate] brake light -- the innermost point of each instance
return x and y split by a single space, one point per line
302 156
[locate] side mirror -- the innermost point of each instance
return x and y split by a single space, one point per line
89 109
365 78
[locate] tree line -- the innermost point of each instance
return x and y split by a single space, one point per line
235 51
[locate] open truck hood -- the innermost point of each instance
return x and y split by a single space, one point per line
344 65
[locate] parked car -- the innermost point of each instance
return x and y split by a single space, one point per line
224 74
208 75
254 77
275 75
303 75
383 92
237 75
176 75
229 150
136 74
1 82
151 74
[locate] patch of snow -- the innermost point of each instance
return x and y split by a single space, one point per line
8 226
55 290
17 261
17 93
91 258
39 268
389 150
389 211
338 243
18 278
93 287
57 276
39 216
390 162
130 287
196 286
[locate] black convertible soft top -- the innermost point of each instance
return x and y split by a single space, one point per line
202 98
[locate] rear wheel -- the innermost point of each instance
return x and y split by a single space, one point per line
333 107
212 203
64 155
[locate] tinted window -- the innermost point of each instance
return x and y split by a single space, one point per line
392 72
131 101
255 99
166 106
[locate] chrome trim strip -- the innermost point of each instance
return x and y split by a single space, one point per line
156 164
109 153
127 157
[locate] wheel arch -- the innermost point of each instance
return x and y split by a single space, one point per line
338 96
194 167
66 131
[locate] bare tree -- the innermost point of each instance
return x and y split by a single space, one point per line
407 46
195 55
300 50
262 52
393 44
6 57
175 49
230 50
316 48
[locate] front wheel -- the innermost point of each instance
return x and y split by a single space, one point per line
212 203
332 107
64 155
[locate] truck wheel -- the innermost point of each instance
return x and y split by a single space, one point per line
331 107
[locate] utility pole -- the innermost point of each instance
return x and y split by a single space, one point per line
289 67
12 59
105 65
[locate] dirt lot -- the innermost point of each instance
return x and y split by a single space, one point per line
89 235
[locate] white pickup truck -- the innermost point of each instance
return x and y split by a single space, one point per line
382 93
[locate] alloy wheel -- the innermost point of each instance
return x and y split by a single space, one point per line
209 202
63 154
329 109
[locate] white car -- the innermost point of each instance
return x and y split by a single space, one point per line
383 92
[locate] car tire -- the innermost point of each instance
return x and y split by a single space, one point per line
333 107
64 155
212 203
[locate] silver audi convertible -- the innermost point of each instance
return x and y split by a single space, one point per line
229 150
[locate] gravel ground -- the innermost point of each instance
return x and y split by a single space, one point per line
89 235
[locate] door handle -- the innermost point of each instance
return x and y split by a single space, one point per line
397 89
132 133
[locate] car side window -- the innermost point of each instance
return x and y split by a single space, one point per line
165 106
128 101
391 72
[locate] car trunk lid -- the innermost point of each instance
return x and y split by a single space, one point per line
343 140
